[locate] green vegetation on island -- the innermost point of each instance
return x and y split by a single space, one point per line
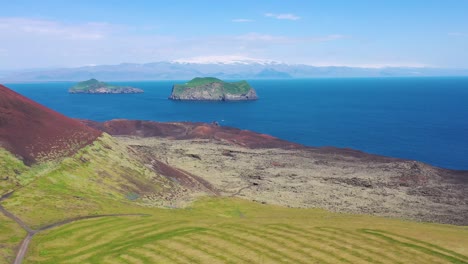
210 88
94 86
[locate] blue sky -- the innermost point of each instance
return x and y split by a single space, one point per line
37 34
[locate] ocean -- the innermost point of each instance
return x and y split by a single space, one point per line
424 119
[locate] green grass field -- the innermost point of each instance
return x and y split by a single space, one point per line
223 230
10 237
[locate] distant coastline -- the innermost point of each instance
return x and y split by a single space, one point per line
171 81
187 71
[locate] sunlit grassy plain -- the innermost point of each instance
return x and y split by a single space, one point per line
103 179
226 230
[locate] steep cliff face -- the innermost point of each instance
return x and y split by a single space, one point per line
212 89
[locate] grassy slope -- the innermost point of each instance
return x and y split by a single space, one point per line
241 87
10 168
10 236
226 230
97 180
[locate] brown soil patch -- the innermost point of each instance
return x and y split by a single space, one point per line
35 132
189 130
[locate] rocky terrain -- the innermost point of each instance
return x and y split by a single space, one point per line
269 170
94 86
213 89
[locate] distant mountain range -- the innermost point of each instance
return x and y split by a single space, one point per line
237 70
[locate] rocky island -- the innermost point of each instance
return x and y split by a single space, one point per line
94 86
213 89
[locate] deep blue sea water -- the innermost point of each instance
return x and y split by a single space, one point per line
424 119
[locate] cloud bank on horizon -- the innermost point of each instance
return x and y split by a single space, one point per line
322 33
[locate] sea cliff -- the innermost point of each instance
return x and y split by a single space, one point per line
94 86
213 89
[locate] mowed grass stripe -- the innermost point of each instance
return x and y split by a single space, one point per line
261 250
276 246
348 247
204 247
424 244
90 229
342 252
123 246
209 243
112 260
168 247
57 242
135 229
129 258
194 252
156 255
69 229
388 247
326 250
408 254
400 252
134 255
423 249
111 235
284 242
372 246
91 236
247 255
114 239
98 233
151 227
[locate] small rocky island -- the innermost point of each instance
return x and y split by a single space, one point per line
94 86
213 89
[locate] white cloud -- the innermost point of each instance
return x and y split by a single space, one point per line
276 39
34 43
41 27
283 16
242 20
225 59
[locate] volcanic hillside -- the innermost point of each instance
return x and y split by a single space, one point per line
190 130
37 133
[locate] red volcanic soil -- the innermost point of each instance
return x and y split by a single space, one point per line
188 130
37 133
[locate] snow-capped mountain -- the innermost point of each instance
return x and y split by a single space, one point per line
220 67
